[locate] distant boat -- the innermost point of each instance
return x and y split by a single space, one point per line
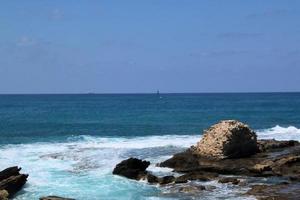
158 94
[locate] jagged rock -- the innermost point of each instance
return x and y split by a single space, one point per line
3 195
192 189
276 192
13 184
161 180
278 162
234 181
266 145
227 139
166 180
11 180
132 168
11 171
195 176
55 198
152 179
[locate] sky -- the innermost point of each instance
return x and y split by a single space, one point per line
137 46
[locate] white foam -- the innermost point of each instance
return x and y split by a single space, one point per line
280 133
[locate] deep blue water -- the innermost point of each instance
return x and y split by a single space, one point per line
31 118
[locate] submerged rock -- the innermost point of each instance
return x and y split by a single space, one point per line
199 176
166 180
192 189
232 180
227 139
160 180
55 198
12 181
132 168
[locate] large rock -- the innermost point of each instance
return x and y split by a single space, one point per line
228 139
132 168
11 171
13 184
12 181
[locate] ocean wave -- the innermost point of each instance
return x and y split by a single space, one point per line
280 133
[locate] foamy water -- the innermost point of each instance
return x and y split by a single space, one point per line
81 168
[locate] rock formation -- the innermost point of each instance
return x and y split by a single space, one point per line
12 181
227 139
132 168
228 148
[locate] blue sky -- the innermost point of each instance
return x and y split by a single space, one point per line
61 46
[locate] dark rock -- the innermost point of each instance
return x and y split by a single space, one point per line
276 192
132 168
11 171
191 189
166 180
234 181
152 179
161 180
55 198
13 184
268 145
195 176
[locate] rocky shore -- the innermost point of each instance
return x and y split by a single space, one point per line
229 148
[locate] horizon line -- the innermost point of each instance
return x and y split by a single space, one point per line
141 93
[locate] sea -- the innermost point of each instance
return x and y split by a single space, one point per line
70 143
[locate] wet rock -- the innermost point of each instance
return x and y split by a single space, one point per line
232 180
166 180
268 145
11 180
227 139
152 179
55 198
13 184
3 195
276 192
195 176
132 168
160 180
262 167
192 189
11 171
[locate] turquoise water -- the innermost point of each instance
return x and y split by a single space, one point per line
69 144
